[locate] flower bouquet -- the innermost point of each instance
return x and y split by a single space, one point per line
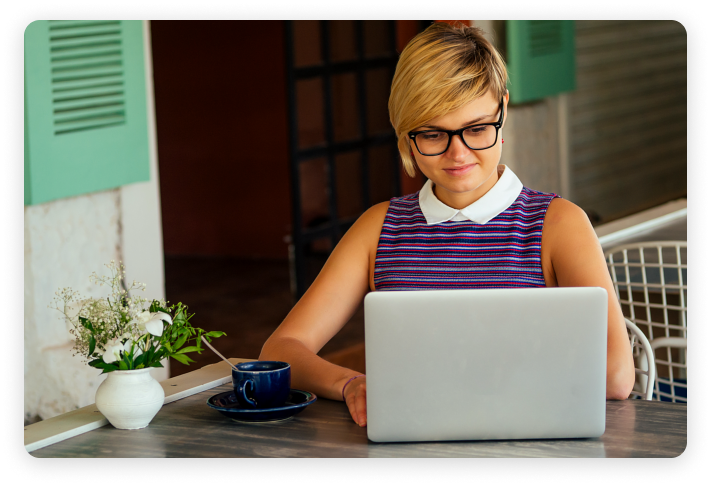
124 332
125 335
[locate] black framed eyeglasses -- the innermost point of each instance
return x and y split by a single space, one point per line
477 137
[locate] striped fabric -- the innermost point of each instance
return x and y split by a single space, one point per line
504 253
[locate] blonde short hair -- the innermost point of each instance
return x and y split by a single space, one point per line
440 70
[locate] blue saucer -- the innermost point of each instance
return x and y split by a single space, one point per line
226 403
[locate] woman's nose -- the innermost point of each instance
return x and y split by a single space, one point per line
457 149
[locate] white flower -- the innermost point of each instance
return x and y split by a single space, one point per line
141 318
152 323
113 348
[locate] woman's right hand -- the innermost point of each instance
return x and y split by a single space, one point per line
355 400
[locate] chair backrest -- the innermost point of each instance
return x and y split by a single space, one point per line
671 386
650 282
643 355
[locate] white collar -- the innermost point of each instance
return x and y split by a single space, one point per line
481 211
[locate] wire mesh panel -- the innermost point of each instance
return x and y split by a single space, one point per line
670 359
650 282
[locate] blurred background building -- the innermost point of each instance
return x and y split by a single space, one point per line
221 161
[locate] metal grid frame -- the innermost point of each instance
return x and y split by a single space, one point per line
647 269
335 226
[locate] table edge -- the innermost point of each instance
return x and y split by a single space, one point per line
85 419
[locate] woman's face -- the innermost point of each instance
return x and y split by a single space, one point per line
461 175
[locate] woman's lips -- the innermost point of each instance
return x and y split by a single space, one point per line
459 170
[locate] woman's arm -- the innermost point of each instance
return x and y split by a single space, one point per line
572 257
324 309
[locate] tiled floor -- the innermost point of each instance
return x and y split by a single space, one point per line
247 299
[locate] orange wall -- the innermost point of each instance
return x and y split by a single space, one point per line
222 194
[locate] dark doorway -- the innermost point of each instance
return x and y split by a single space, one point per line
223 131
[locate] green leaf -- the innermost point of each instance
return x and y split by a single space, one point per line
109 368
86 323
123 365
181 341
157 364
92 344
139 361
189 349
140 366
181 358
215 334
155 307
95 362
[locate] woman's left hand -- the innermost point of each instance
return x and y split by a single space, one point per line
355 399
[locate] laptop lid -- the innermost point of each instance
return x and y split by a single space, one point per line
486 364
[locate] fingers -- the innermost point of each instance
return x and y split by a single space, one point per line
361 407
356 401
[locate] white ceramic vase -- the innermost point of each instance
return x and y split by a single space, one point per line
130 399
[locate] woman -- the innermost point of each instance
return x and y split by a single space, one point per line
448 107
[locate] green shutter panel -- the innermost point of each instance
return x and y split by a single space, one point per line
86 126
540 55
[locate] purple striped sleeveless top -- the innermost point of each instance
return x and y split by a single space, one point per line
503 253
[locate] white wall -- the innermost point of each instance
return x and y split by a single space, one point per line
536 135
65 241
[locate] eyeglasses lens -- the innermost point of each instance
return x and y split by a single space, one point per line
477 137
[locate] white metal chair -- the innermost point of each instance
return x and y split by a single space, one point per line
643 355
673 385
650 282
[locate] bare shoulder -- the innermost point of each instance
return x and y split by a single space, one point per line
570 247
376 214
367 228
564 224
563 213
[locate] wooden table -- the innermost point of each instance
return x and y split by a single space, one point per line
187 427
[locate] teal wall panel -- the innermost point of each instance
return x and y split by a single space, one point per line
540 56
86 126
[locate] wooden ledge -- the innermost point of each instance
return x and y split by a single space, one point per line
71 424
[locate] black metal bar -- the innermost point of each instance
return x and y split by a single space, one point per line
397 186
425 23
328 128
322 150
341 67
298 270
363 116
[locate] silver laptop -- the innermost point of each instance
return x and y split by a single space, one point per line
486 364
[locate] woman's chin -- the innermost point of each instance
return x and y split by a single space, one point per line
469 186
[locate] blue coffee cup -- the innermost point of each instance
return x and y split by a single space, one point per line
262 384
